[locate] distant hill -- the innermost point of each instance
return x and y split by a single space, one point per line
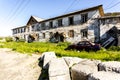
112 14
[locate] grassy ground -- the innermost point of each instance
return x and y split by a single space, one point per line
40 47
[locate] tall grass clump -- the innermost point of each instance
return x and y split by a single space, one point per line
9 39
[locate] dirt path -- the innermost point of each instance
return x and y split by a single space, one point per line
16 66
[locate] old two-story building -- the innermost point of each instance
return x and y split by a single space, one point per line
72 27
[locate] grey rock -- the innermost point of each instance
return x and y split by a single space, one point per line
70 61
111 66
81 70
101 75
46 57
58 70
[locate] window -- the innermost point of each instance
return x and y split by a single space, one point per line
51 34
84 18
70 20
38 27
60 22
51 24
103 22
84 33
18 30
71 33
43 35
43 26
33 27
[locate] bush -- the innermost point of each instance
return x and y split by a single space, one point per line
9 39
114 48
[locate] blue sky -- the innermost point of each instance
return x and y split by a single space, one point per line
16 13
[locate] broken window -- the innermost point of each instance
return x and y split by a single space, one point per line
103 22
43 35
43 26
71 21
51 34
18 30
84 33
84 17
60 22
51 24
38 27
33 27
71 33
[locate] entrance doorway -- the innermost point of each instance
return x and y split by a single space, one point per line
57 37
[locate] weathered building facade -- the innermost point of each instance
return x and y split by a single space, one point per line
72 27
19 33
109 29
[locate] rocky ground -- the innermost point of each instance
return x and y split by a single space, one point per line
16 66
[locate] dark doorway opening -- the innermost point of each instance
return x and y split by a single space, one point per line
57 37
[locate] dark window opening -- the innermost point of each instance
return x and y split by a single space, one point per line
118 31
71 21
51 24
43 35
43 26
18 30
51 34
33 28
103 22
84 33
60 22
84 18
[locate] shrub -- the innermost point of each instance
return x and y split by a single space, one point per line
114 48
9 39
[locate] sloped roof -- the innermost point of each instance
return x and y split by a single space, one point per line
108 17
19 27
37 18
99 7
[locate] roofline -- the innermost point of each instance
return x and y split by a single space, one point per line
80 11
29 19
19 27
108 17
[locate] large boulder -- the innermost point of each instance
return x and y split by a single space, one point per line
72 60
112 66
101 75
81 70
58 69
46 57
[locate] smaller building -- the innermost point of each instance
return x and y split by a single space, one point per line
110 27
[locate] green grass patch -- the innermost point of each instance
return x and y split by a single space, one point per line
111 54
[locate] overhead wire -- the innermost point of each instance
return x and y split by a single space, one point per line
109 4
112 6
23 8
73 2
14 11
